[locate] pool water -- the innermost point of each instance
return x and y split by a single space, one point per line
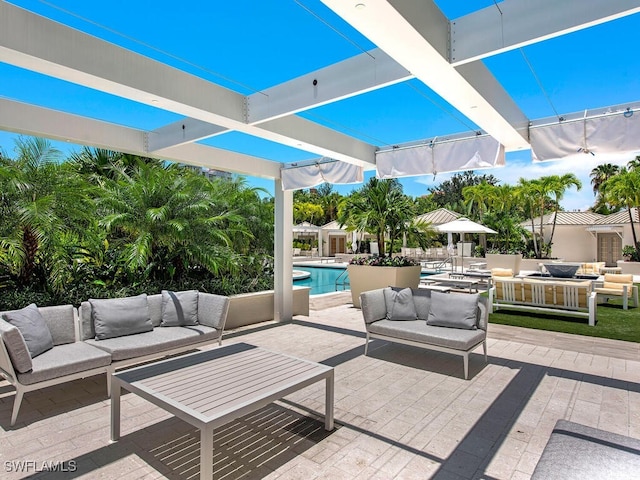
322 279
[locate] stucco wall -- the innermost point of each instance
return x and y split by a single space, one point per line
573 243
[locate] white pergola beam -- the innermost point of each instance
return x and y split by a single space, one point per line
41 45
42 122
356 75
515 23
415 34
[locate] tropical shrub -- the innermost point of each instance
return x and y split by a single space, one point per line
383 261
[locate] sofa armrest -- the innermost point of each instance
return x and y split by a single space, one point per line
483 313
212 310
373 305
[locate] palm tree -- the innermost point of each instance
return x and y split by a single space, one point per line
599 175
46 213
624 190
166 220
634 164
380 207
559 185
479 196
534 195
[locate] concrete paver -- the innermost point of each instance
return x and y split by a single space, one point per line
401 412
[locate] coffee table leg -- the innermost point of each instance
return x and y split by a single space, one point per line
206 454
328 414
115 410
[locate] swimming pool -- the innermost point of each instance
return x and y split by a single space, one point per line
321 280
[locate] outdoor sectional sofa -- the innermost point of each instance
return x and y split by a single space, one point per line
447 322
568 297
103 335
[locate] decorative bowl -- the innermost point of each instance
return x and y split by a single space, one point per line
562 270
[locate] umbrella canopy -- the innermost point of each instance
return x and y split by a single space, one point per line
463 225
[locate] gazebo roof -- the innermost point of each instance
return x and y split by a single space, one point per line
439 216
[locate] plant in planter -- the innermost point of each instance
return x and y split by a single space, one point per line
631 253
382 209
378 272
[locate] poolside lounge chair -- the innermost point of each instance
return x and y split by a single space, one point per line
618 285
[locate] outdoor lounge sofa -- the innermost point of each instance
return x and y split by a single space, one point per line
447 322
104 335
544 296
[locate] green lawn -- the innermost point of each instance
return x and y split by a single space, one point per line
611 321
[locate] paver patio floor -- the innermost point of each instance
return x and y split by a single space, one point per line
401 412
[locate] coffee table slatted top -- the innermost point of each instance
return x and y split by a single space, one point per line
211 385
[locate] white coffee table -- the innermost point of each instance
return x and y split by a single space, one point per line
208 389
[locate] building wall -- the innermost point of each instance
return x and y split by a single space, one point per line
573 243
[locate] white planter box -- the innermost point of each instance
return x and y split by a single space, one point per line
363 278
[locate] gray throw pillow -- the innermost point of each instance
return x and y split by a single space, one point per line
422 302
179 308
33 328
16 348
400 304
458 312
115 317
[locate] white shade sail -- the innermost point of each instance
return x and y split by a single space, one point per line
607 134
294 178
439 157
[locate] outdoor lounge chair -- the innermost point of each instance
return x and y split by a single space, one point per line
618 285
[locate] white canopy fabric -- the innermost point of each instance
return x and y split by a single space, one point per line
439 157
295 178
608 134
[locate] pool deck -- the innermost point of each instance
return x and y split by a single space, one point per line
401 412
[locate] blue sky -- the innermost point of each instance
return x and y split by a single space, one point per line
248 45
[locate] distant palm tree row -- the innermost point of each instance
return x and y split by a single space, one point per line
617 188
381 208
103 221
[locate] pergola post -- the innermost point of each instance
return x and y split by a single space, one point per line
283 259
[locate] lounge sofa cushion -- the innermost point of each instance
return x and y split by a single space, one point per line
61 320
399 304
115 317
64 360
156 341
33 328
579 452
16 347
414 330
179 308
461 314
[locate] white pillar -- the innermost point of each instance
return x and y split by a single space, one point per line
282 255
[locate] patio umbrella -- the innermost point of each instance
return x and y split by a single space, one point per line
463 225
